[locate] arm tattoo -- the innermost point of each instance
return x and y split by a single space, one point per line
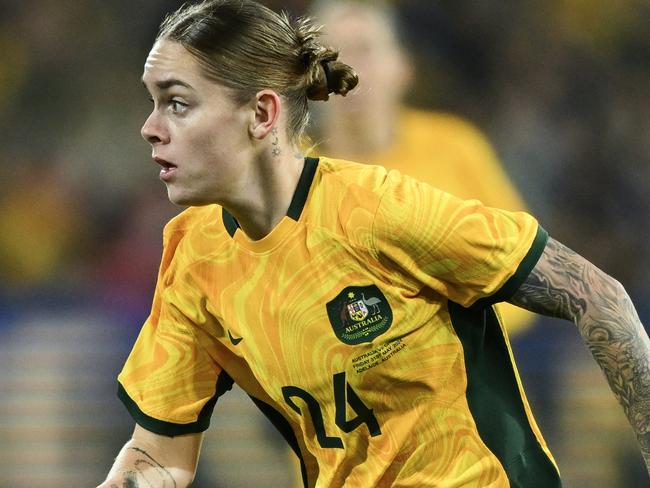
147 473
551 287
565 285
131 480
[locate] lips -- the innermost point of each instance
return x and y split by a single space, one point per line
167 170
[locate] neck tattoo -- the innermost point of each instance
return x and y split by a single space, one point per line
275 142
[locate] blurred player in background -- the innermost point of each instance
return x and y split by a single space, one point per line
354 305
439 148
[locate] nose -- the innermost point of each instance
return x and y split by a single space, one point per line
153 131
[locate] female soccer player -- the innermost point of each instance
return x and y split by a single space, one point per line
354 305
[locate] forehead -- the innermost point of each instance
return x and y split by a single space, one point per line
354 24
168 59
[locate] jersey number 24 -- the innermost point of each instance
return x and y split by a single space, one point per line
343 395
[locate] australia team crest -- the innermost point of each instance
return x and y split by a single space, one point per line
359 314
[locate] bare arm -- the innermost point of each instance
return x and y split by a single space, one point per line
155 461
565 285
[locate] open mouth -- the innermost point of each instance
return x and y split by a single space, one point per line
167 168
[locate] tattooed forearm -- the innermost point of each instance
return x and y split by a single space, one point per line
550 289
565 285
144 471
150 472
130 481
147 464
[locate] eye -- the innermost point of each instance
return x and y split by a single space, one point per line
176 106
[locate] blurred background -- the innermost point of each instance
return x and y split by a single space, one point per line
560 88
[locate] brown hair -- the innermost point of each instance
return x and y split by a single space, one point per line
247 47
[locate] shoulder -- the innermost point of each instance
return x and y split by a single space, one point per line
200 225
343 183
453 125
446 132
190 218
346 173
359 199
367 185
345 198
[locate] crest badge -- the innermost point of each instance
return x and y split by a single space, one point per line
359 314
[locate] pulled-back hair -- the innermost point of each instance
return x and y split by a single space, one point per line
247 47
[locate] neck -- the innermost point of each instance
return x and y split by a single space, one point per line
270 188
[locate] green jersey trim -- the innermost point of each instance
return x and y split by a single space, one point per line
229 222
170 429
302 188
283 426
527 264
495 401
297 201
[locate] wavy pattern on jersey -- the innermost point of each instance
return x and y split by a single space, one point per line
464 251
417 453
434 440
174 377
360 226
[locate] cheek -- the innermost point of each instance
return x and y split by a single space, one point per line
201 140
212 135
214 148
218 132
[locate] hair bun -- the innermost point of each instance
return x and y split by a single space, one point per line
333 77
324 73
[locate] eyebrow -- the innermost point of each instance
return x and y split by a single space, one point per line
166 84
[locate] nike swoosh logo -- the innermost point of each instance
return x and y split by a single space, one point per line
234 340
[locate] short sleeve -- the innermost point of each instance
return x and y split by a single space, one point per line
462 249
169 384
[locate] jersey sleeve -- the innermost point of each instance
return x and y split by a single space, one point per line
462 249
169 383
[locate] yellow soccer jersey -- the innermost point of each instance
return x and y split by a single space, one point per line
361 326
449 153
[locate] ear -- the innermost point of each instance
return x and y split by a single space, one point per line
267 106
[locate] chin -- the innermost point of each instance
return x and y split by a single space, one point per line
179 199
186 200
